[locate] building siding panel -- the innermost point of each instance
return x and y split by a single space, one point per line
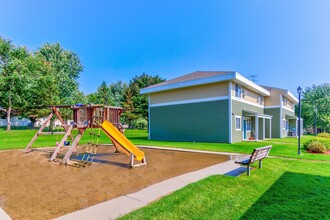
204 122
190 93
237 110
275 112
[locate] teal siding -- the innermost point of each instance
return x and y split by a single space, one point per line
275 112
203 121
237 110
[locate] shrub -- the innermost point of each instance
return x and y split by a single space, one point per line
323 135
316 147
325 142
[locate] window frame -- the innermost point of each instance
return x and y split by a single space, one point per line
240 123
238 91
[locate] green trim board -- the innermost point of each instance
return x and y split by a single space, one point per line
203 121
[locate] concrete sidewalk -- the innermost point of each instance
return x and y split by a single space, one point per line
122 205
4 215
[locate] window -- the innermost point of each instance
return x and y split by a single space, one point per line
238 123
248 124
238 91
285 101
260 99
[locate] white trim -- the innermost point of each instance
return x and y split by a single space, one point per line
230 111
247 102
195 82
235 76
288 93
190 101
242 127
270 128
256 127
272 106
252 84
281 123
240 124
149 128
286 108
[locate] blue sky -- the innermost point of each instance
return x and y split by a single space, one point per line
285 43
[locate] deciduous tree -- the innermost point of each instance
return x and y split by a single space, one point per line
316 100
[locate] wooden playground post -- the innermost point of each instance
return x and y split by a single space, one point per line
28 147
60 145
55 110
66 159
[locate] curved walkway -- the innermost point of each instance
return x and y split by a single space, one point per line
122 205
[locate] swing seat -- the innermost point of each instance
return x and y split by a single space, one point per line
66 143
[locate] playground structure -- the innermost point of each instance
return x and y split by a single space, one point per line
106 118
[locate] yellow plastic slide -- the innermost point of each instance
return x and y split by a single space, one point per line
118 138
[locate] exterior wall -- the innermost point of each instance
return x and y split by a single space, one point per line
203 121
276 120
274 98
237 110
190 93
16 121
288 105
248 96
288 116
267 130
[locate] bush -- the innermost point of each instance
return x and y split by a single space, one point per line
323 135
316 147
324 141
140 123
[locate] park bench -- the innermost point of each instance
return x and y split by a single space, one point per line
257 154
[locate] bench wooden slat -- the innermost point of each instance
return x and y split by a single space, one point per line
257 154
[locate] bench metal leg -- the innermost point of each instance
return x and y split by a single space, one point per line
248 170
260 164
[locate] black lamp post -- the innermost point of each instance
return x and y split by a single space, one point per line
299 90
315 126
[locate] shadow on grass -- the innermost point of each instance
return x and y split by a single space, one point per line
294 196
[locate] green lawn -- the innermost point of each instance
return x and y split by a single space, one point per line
283 189
287 147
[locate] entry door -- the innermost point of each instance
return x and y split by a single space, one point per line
244 129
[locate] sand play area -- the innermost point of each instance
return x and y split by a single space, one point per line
33 188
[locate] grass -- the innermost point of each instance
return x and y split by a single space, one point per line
282 189
286 147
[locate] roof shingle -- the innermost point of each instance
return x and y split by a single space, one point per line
192 76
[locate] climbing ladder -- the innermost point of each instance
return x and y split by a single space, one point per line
90 151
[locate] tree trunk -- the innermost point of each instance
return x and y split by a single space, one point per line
8 118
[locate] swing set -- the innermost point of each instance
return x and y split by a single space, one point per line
105 118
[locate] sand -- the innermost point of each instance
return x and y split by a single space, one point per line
33 188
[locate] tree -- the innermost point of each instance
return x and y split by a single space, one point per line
117 91
140 102
41 91
66 68
316 100
14 76
103 94
128 115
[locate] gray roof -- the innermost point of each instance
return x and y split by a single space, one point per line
192 76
